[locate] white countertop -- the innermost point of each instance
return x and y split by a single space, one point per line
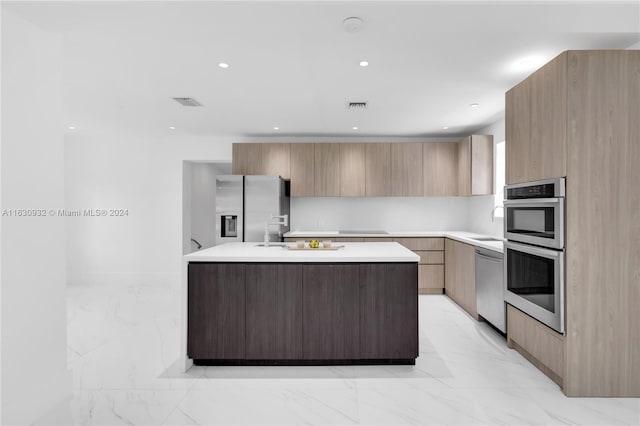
352 252
462 236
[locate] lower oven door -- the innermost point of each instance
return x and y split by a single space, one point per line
534 282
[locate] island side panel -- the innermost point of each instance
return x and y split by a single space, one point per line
274 311
331 317
388 311
216 312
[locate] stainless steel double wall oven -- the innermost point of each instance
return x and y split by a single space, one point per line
534 226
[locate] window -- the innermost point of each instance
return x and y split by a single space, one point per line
500 178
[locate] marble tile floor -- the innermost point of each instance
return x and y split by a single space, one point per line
123 346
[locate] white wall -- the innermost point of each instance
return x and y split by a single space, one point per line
34 373
203 201
380 213
144 175
480 207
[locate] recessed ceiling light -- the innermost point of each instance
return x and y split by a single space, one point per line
355 127
276 128
474 105
364 63
172 127
71 127
445 127
223 65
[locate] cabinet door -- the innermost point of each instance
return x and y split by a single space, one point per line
330 313
302 170
430 279
406 169
460 274
378 169
517 132
548 138
274 311
276 159
440 169
246 159
216 311
464 166
388 311
481 164
327 169
352 170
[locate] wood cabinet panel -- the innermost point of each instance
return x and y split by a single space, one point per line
352 169
464 166
273 311
417 243
460 275
331 313
430 279
431 257
481 164
388 311
378 169
276 159
517 132
406 169
327 169
603 224
440 169
302 168
246 159
538 343
548 125
216 311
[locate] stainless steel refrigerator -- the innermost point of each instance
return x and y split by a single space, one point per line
244 203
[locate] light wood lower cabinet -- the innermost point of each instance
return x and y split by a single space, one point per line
460 274
430 279
542 346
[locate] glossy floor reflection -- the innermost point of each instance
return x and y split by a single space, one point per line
123 344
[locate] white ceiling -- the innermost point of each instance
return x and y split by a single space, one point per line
293 66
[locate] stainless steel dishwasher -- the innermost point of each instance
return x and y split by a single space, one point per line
489 289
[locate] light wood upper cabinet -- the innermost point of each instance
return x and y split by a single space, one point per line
327 169
276 159
475 165
246 159
460 274
406 169
302 170
352 169
517 132
536 124
464 166
440 169
377 169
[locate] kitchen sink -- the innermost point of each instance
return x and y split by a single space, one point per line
487 239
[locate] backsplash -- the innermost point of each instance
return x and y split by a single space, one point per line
380 213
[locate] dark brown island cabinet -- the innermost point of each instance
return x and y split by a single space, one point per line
302 313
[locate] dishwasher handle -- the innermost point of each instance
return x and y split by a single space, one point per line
489 255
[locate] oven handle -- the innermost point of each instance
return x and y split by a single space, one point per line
525 248
532 201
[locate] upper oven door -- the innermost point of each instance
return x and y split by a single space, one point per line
539 221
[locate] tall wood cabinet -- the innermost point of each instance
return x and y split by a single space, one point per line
578 117
536 130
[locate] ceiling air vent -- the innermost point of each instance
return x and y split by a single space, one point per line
190 102
357 105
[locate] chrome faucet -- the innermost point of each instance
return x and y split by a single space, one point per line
493 212
284 222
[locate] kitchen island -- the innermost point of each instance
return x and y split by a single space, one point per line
244 304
